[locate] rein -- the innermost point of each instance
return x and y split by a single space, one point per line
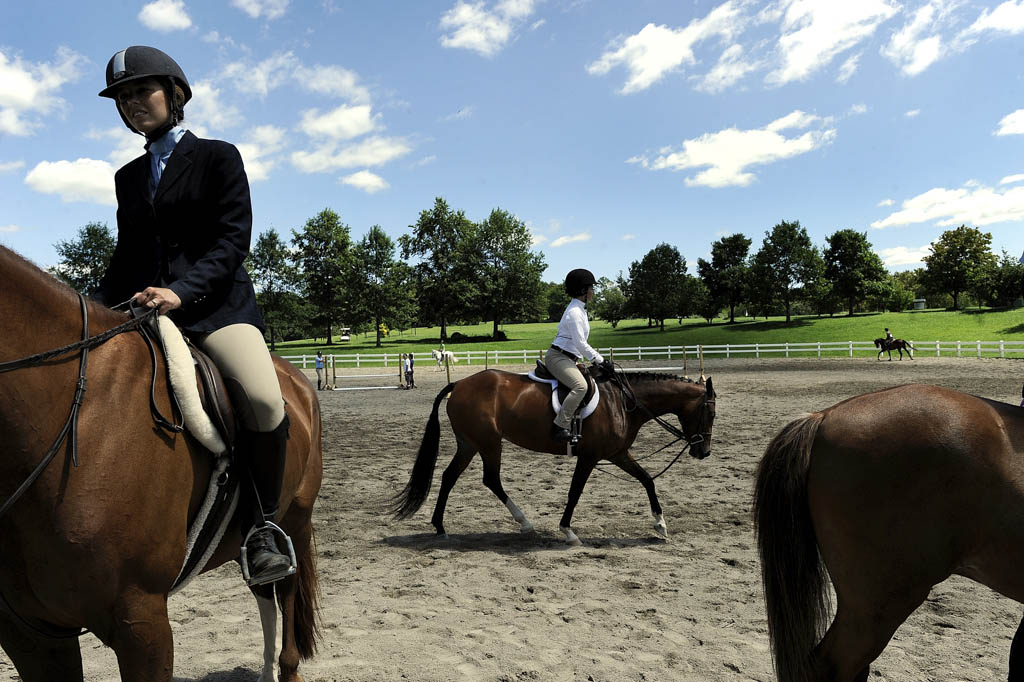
70 429
620 380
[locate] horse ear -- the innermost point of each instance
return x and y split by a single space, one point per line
709 389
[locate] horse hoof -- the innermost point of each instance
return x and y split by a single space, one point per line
660 528
571 538
526 528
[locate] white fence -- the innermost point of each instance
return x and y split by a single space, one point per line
1000 349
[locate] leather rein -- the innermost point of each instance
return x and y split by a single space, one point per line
69 432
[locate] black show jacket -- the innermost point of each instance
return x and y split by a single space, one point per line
191 237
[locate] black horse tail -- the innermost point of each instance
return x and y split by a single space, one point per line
406 503
795 583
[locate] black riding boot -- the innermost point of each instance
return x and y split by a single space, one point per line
267 563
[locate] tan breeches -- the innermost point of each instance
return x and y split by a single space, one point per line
242 357
565 371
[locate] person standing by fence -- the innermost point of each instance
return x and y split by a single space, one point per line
319 363
410 364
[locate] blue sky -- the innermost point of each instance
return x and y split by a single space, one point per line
606 126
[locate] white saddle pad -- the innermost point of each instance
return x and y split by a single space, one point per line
585 411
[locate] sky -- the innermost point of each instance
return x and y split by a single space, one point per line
606 126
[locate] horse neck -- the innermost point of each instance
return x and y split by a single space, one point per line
661 395
39 312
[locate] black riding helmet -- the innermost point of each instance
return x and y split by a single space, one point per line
578 281
140 61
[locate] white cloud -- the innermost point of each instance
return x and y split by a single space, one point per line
1008 17
1012 179
165 16
859 109
87 180
10 228
913 113
729 153
918 45
207 108
886 202
261 78
333 81
848 68
425 161
258 148
127 145
342 123
537 239
658 50
367 181
628 237
271 9
972 204
1012 124
8 166
571 239
730 69
814 33
28 91
470 25
330 155
904 255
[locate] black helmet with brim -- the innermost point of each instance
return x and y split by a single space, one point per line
138 62
578 281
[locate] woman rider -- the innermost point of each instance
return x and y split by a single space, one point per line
184 224
570 343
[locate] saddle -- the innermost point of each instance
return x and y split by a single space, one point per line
213 396
590 400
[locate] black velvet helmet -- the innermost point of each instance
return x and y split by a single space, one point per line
578 281
138 62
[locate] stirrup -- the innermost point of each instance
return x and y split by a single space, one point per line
576 429
273 577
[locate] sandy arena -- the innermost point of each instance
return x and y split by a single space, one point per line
495 605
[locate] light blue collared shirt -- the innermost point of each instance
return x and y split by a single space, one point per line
159 151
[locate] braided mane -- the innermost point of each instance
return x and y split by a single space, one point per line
659 376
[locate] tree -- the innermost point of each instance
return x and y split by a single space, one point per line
958 259
727 276
656 282
510 276
443 240
609 302
1000 282
84 259
324 260
785 262
384 284
555 299
268 264
701 299
851 266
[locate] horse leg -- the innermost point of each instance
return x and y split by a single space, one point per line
38 659
492 479
857 636
1017 656
579 479
463 456
268 620
631 467
141 638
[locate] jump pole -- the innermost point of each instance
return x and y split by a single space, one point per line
700 353
447 368
685 375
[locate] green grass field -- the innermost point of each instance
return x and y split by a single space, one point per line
923 325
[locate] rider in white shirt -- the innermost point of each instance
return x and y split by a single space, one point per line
571 343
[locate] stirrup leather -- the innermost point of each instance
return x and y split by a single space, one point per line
245 558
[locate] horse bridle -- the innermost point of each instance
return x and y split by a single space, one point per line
69 431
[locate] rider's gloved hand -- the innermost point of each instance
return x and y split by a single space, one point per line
607 366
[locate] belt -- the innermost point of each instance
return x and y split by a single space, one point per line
571 356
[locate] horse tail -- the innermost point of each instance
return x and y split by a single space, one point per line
411 498
307 604
792 573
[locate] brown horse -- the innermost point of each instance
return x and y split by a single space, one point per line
492 405
899 345
99 545
890 508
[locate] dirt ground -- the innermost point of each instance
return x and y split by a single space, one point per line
492 604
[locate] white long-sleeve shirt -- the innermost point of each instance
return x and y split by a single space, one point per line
573 330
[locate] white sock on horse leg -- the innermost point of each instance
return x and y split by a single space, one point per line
524 523
268 619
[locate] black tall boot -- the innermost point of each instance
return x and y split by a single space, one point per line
267 563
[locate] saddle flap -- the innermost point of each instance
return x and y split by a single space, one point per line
541 374
214 395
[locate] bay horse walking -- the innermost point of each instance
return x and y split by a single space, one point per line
899 345
490 406
97 543
890 509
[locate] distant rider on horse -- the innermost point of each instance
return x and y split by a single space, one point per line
888 339
571 343
184 226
